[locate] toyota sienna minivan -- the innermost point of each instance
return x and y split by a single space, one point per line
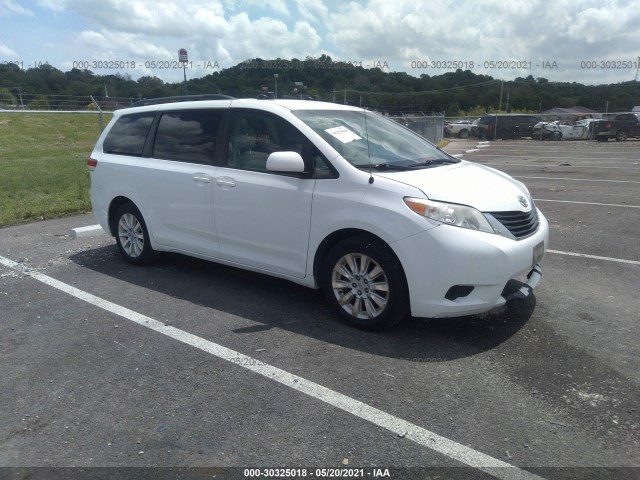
324 195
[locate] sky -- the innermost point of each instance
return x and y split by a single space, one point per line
585 41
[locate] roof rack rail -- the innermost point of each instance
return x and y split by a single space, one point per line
182 98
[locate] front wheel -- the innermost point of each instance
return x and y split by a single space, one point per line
132 236
463 133
365 283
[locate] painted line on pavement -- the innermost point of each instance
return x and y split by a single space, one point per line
587 203
595 257
396 425
548 165
560 156
577 179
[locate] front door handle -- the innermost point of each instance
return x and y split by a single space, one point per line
226 182
201 178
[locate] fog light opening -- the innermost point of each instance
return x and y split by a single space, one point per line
458 291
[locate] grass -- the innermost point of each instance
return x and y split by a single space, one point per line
43 160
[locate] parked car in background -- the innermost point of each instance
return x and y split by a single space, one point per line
324 195
580 130
506 126
459 128
623 126
474 128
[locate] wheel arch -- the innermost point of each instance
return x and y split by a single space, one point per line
338 236
116 203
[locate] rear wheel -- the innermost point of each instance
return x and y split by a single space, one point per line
364 282
132 236
463 133
622 135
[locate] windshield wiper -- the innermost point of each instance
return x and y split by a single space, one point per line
383 166
429 163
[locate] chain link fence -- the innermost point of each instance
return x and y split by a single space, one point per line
430 127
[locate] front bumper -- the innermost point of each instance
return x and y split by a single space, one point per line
436 260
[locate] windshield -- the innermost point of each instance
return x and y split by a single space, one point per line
389 145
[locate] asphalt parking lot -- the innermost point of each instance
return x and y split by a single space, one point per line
191 364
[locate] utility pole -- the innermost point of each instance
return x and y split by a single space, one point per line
183 58
500 105
21 102
275 79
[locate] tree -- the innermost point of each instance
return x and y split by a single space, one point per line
7 100
38 102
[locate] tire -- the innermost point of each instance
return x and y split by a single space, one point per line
602 138
463 133
556 136
622 135
503 135
132 235
349 271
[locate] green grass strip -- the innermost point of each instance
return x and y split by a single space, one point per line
43 160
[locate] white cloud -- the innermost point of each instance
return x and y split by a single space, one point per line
119 46
9 8
277 7
314 11
7 52
269 38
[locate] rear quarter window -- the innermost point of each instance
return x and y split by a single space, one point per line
128 135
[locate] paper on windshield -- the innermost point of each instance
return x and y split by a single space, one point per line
343 134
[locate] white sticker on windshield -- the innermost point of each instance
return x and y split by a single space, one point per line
343 134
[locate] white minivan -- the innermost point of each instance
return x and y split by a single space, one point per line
321 194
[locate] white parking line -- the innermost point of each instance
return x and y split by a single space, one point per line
587 203
595 257
398 426
577 179
520 153
607 167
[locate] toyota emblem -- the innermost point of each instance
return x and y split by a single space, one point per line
523 201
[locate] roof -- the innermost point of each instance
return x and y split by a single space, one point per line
636 109
187 103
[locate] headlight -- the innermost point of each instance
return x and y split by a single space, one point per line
450 214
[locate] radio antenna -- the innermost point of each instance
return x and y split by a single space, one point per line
366 133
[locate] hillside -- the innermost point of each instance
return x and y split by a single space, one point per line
459 92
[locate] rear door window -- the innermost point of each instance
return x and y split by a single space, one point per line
188 136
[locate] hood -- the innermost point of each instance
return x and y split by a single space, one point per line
465 183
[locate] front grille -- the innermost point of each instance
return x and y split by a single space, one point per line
520 224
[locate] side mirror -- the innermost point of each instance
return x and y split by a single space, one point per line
290 162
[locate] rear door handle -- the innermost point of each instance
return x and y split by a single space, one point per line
226 182
201 178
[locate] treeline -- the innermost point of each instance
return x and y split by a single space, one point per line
456 93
